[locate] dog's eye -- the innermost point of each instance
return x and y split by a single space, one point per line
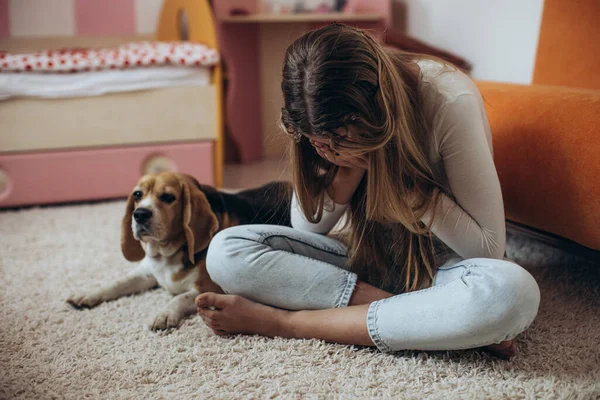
137 194
167 198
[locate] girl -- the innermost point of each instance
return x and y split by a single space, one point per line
399 144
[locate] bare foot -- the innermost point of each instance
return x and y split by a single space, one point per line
225 314
504 350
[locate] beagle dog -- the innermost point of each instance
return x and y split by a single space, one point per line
168 224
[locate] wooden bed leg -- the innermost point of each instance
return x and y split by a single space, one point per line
219 143
201 29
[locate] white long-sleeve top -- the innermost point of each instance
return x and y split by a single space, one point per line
471 221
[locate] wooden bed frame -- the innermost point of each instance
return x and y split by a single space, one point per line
93 148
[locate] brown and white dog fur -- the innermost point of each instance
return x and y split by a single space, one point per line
168 224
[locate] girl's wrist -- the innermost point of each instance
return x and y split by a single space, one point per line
351 171
344 184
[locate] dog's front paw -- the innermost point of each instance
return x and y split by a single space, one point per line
83 300
165 320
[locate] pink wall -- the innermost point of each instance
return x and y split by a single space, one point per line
4 19
106 17
78 17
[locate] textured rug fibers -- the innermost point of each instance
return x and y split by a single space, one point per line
50 350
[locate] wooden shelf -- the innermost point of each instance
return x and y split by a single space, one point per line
302 17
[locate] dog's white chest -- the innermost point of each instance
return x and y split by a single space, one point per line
169 274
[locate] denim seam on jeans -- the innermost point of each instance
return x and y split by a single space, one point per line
313 260
448 268
349 282
454 266
508 336
348 288
429 289
372 327
372 313
266 236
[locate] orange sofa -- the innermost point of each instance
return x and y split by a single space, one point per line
547 135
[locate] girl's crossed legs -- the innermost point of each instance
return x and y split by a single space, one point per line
472 303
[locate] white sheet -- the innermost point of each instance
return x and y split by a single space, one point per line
82 84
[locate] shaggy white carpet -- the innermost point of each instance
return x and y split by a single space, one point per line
50 350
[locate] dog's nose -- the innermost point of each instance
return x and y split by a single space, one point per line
141 215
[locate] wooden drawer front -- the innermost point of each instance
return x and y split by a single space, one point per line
115 119
94 174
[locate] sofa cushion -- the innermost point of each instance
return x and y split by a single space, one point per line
547 154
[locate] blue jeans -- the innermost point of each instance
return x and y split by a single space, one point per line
472 303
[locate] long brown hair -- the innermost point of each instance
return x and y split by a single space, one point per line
338 76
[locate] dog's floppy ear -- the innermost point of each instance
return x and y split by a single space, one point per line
199 221
131 248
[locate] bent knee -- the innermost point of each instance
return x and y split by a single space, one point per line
226 254
513 298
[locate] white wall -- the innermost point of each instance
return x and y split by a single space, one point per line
499 37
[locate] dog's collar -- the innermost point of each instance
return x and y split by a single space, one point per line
223 216
201 253
197 256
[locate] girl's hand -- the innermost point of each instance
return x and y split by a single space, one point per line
342 159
